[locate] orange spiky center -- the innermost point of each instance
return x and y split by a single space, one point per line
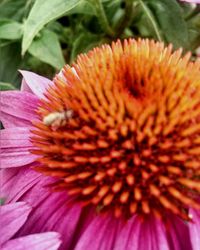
130 142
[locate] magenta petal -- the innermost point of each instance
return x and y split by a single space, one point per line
100 234
178 234
34 83
13 217
58 217
15 147
194 229
136 234
15 137
16 157
51 210
129 237
18 108
42 241
106 233
16 183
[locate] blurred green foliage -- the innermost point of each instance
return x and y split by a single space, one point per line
43 35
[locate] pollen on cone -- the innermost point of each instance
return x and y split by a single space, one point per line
123 129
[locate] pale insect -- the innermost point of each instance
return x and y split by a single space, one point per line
57 119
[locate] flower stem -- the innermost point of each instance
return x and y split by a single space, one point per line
103 18
126 18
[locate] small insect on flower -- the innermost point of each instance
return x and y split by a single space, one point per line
57 119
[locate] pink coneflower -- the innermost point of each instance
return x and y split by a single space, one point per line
108 153
13 216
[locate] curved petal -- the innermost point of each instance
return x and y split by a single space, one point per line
13 217
52 211
129 235
178 234
100 234
135 234
34 83
18 108
15 147
15 137
153 235
194 229
16 183
42 241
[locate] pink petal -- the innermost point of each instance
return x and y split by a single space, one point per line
100 234
153 235
52 210
15 147
13 121
194 229
178 234
129 237
13 217
55 214
17 157
34 83
25 87
16 183
18 108
15 137
42 241
107 233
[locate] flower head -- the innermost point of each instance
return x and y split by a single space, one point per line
122 132
117 136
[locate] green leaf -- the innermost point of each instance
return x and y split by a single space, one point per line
11 61
17 9
10 30
194 31
84 42
46 48
43 12
151 19
169 18
188 9
194 39
84 7
6 86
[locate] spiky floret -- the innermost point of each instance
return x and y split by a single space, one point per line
132 142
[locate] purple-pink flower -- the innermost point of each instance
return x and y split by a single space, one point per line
120 171
13 216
